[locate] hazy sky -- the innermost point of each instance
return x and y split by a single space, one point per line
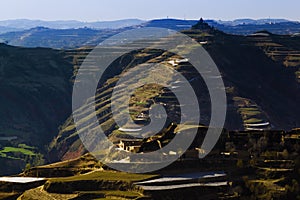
94 10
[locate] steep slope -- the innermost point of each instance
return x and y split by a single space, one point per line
262 93
35 99
270 86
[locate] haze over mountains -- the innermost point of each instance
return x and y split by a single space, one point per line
237 27
72 34
23 24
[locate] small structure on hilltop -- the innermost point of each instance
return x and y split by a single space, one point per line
130 145
201 25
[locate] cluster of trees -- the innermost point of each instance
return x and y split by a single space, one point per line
35 160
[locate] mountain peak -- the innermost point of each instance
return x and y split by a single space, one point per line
201 25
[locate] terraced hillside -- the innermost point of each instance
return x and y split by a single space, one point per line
265 86
280 48
243 165
260 74
262 94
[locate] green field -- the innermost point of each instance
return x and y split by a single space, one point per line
253 121
22 152
16 149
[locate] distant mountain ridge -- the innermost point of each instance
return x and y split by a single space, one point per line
253 21
235 22
4 29
73 34
23 24
57 38
237 27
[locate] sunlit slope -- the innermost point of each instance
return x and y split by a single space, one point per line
261 93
